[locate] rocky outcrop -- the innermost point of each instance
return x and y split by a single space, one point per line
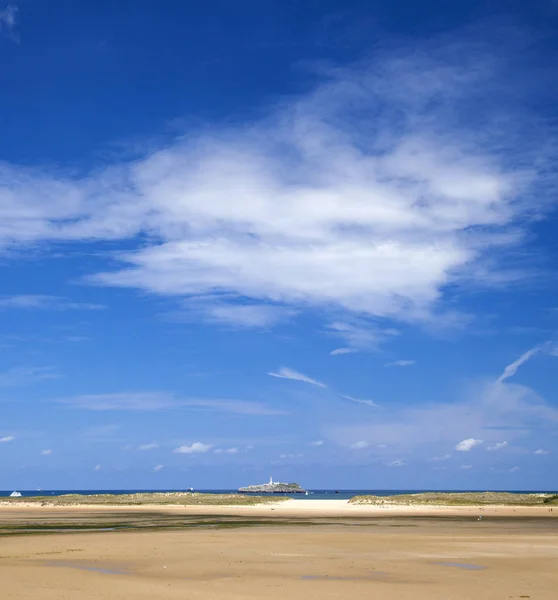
273 488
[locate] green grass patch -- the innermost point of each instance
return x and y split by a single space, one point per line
459 499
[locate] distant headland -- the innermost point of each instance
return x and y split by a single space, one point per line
273 487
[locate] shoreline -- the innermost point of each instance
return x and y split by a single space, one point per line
294 508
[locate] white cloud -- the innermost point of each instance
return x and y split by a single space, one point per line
41 302
8 22
286 373
512 368
158 467
341 351
150 446
359 335
541 452
226 451
6 439
18 376
397 463
97 468
356 198
357 401
466 467
467 445
360 445
155 401
46 452
400 363
317 443
514 469
497 446
195 448
288 456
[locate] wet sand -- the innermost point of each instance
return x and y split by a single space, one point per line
317 555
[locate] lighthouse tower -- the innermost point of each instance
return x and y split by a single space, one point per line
271 481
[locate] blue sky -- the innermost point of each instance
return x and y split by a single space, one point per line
313 240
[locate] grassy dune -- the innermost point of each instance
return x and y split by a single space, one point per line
162 498
460 499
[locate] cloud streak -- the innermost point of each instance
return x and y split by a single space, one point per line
42 302
8 22
286 373
156 401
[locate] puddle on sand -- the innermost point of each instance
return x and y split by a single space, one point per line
80 567
372 577
458 565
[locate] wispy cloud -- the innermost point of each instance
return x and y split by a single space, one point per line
290 456
316 443
46 452
400 363
497 446
397 463
226 451
8 22
358 335
468 444
357 198
6 439
42 302
286 373
218 311
512 368
151 446
360 445
439 458
341 351
97 468
195 448
154 401
357 401
19 376
158 467
541 452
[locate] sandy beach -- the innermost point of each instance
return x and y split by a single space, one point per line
300 548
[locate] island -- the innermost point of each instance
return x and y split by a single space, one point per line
273 487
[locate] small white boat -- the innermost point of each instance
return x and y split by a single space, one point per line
190 489
15 495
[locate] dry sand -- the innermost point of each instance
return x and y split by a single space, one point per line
448 554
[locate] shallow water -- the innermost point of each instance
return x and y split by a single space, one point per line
466 566
103 570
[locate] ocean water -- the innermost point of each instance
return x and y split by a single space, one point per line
312 494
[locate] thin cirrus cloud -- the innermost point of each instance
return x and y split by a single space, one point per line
46 452
6 439
286 373
400 363
151 446
368 195
42 302
21 376
226 451
8 22
155 401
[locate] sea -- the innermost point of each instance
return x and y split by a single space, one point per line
312 494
